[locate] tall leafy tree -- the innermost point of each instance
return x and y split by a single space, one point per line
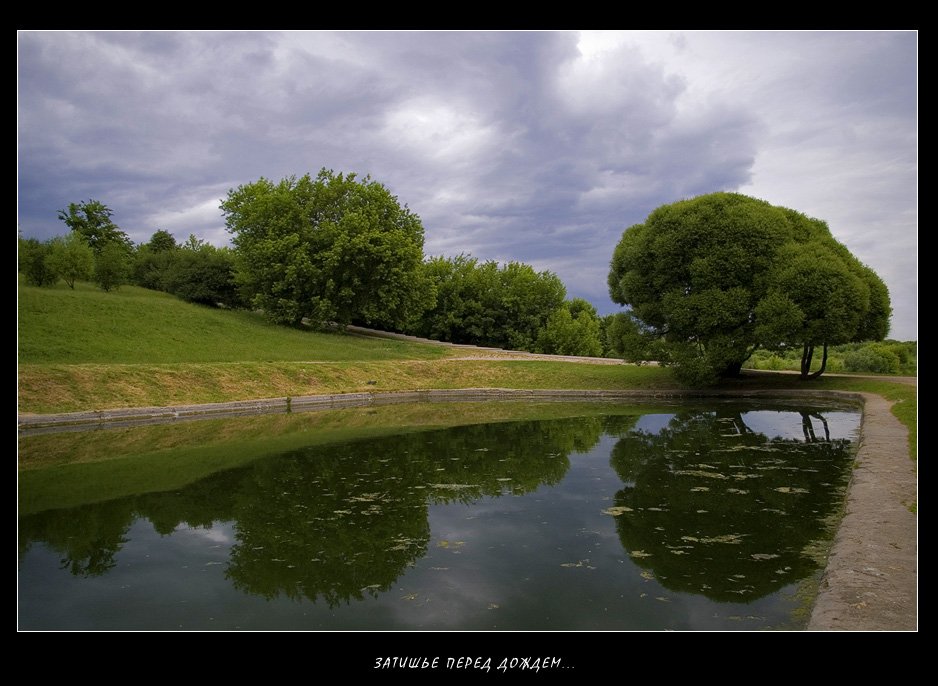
720 275
331 249
92 220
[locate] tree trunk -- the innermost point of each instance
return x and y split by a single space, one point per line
807 428
823 365
732 369
806 355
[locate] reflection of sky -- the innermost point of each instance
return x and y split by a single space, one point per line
219 532
774 423
653 423
786 424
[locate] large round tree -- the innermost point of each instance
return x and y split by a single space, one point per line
329 249
718 276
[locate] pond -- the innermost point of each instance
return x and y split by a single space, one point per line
492 516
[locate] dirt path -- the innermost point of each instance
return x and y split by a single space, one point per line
477 352
871 578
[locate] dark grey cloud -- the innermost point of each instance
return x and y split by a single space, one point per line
516 145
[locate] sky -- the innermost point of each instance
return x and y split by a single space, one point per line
539 147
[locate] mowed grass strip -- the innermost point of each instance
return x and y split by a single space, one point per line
139 326
46 389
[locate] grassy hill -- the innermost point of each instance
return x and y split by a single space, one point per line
86 349
139 326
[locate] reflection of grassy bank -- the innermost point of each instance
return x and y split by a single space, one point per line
68 469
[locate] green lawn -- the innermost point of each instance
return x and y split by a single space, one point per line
139 326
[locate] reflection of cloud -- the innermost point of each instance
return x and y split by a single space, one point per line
220 532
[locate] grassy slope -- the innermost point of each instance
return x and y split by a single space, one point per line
138 326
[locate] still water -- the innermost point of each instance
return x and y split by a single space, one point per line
682 517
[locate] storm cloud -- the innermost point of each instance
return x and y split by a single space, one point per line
533 146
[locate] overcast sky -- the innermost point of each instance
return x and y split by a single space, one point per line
540 147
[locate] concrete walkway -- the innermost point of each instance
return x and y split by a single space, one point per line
871 579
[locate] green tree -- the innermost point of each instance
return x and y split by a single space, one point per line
149 268
201 273
92 220
626 337
716 277
34 263
111 266
572 329
819 296
70 258
153 259
488 304
162 241
330 249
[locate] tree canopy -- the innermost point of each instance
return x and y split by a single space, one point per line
504 306
92 220
572 329
70 258
328 249
718 276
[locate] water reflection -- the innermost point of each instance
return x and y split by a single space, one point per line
695 513
334 522
710 506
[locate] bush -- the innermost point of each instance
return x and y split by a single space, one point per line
34 263
111 266
876 358
204 275
70 258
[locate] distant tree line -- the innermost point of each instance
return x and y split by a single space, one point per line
709 281
321 251
97 249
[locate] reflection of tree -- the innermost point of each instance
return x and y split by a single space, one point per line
333 522
87 537
344 521
807 426
712 507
